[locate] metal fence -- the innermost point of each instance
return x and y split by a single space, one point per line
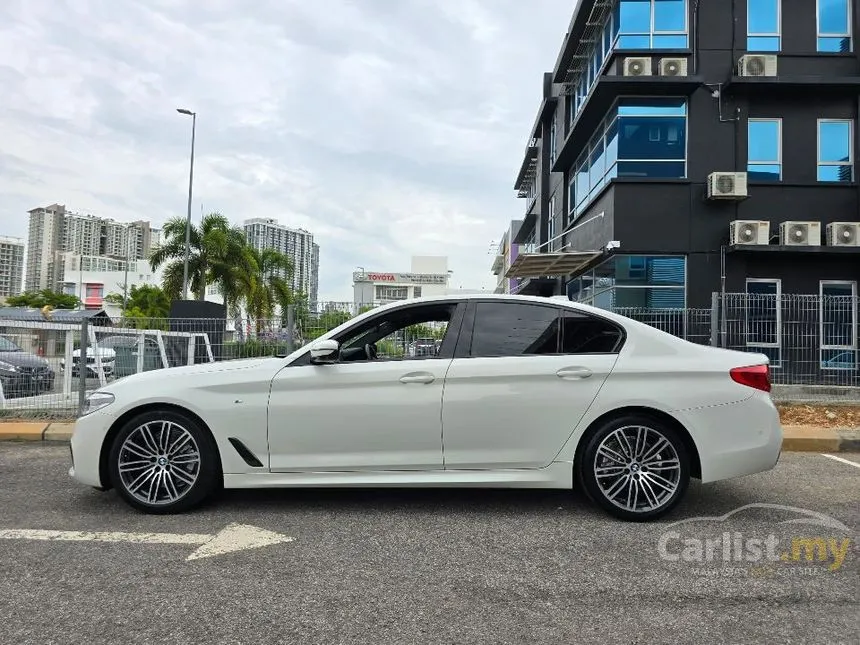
810 340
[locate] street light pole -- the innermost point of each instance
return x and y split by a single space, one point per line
125 281
193 116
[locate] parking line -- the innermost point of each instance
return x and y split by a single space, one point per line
840 459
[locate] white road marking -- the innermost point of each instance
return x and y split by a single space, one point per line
235 537
840 459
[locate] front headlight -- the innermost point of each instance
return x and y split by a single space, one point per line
97 401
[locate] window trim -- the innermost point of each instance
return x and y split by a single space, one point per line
820 163
821 346
778 344
777 35
778 161
819 34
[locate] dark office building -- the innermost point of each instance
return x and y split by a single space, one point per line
687 147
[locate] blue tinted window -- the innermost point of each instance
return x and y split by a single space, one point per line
652 24
835 151
670 15
632 285
582 182
763 25
764 157
571 193
635 16
612 143
834 26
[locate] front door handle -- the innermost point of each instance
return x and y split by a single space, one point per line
417 377
573 373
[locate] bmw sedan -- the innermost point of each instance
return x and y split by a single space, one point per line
522 392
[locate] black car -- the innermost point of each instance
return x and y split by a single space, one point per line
23 373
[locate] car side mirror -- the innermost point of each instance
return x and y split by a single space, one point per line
325 351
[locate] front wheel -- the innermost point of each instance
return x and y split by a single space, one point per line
163 462
635 467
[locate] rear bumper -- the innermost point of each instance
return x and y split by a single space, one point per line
735 439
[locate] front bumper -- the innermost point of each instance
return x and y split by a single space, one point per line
86 448
17 384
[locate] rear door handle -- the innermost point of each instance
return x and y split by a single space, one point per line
417 377
573 373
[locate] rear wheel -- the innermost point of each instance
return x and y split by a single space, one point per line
164 462
635 467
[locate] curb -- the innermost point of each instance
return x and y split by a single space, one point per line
794 438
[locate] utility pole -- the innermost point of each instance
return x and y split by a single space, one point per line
193 116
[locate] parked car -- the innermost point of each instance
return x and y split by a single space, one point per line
23 373
126 349
524 392
106 354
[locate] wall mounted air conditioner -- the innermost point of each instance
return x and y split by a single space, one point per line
757 65
745 231
673 67
727 185
637 66
843 234
800 234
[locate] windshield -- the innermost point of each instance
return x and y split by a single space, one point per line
7 345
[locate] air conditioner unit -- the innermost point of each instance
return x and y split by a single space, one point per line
673 67
757 65
745 231
727 185
800 234
843 234
637 66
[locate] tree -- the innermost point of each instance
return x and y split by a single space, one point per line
149 300
218 254
44 297
269 283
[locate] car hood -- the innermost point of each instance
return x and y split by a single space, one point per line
22 359
167 376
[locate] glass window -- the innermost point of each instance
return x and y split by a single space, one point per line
764 153
552 141
571 196
763 25
652 138
597 163
651 24
582 182
838 316
550 225
584 334
834 26
515 329
835 150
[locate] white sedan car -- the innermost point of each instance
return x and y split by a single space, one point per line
522 392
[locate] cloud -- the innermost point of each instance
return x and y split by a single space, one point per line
385 128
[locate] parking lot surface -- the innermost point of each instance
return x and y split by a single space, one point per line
421 566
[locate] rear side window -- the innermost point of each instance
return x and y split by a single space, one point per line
584 334
515 329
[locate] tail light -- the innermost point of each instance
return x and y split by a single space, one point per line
757 376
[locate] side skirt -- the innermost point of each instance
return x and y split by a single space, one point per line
557 475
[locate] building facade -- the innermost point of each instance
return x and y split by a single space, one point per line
683 148
504 254
55 232
428 276
11 266
296 244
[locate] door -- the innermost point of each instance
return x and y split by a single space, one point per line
367 412
516 393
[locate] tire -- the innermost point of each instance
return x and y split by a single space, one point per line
160 480
627 487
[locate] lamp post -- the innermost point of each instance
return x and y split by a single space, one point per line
125 280
193 116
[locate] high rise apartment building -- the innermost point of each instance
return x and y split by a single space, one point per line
11 266
296 244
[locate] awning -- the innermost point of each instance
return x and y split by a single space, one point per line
536 265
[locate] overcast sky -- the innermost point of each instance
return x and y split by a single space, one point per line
385 127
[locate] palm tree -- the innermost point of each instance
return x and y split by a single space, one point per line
218 254
269 283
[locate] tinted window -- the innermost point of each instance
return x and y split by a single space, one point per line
584 334
514 329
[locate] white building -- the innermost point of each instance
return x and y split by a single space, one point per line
296 244
428 276
11 266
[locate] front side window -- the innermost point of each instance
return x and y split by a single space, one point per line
835 150
515 329
763 25
834 26
764 318
838 307
651 24
764 149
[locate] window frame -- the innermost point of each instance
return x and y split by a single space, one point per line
779 137
853 325
777 35
778 324
819 35
652 4
820 163
550 226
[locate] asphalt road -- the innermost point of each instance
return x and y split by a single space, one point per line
422 566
